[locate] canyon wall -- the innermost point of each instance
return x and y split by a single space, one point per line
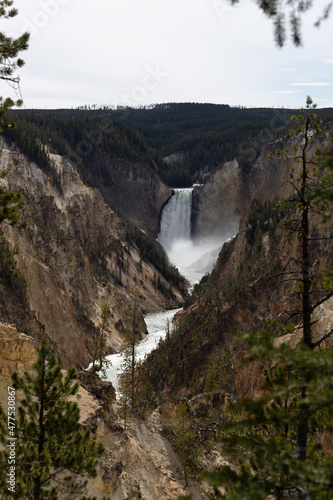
72 257
219 204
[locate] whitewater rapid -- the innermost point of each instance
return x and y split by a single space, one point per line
157 328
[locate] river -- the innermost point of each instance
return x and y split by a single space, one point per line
156 327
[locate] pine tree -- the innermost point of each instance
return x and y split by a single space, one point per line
289 14
11 203
186 443
275 442
100 341
132 337
50 444
9 60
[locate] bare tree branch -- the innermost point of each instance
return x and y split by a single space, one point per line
322 339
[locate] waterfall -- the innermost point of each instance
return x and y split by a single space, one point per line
193 259
176 219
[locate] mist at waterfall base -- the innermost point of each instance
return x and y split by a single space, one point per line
193 258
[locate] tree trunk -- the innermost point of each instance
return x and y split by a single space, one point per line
303 427
41 440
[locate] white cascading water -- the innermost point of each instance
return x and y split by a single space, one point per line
156 327
176 219
193 259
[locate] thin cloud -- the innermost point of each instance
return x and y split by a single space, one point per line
285 91
310 84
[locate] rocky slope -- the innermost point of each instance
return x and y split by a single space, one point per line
72 257
139 462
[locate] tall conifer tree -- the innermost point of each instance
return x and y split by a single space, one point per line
51 448
275 442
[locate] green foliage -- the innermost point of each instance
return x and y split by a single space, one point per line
9 60
186 443
132 337
31 143
50 444
82 138
219 369
182 355
261 438
203 136
145 399
100 362
10 275
262 219
235 282
324 191
11 205
275 442
125 393
285 14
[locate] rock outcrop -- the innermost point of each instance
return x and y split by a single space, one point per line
218 204
140 463
17 354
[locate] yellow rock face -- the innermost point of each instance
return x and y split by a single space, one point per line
17 354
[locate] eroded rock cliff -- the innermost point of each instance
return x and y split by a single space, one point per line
72 257
218 204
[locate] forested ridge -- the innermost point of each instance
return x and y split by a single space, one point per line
199 136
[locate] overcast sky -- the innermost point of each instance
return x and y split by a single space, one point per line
134 52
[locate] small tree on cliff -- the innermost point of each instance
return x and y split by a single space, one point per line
50 445
100 362
132 337
275 441
186 443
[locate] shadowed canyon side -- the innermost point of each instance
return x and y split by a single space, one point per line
75 254
132 189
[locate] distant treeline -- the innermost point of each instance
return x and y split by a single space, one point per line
200 136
